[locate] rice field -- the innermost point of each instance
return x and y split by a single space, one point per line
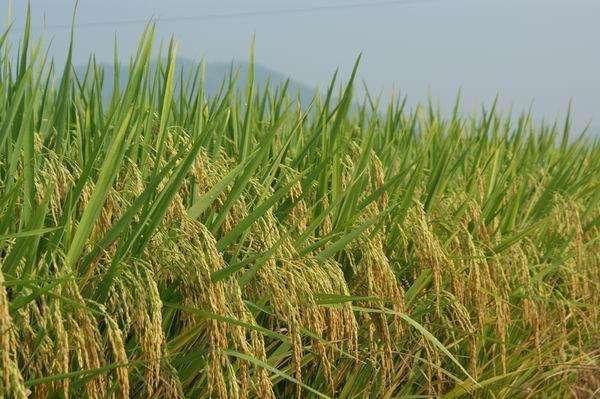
167 244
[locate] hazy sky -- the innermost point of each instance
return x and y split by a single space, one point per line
547 51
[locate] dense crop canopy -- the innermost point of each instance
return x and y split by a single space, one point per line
164 244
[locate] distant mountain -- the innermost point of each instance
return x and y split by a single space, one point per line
215 74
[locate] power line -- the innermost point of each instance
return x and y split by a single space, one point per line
244 14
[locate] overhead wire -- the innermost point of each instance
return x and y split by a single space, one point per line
239 14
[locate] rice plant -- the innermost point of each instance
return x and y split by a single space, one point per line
168 244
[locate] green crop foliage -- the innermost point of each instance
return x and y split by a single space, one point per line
166 244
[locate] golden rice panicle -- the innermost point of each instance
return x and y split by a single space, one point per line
147 325
115 338
26 334
378 180
457 277
11 380
62 344
60 177
134 308
530 305
335 327
373 276
83 327
327 224
186 266
342 326
259 384
220 382
280 286
190 263
428 250
503 314
569 225
299 214
291 286
49 332
476 268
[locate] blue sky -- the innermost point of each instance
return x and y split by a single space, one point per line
545 51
